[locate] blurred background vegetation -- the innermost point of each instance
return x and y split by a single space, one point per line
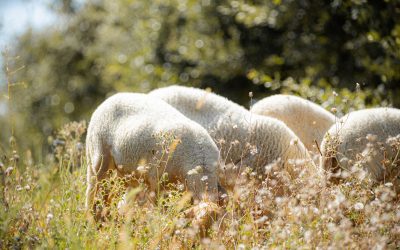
96 48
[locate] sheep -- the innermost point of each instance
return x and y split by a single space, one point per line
308 120
244 139
124 135
370 137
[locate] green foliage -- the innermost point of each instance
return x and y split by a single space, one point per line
107 46
342 100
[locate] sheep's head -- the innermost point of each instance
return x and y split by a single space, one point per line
328 160
227 176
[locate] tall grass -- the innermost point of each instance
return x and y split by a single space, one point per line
45 209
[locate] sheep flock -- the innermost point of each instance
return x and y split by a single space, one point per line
205 142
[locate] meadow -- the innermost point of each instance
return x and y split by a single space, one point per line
342 55
42 206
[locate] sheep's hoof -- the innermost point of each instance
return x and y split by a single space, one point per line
203 215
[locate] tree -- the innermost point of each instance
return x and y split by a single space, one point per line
232 46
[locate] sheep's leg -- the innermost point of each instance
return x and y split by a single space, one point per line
97 171
153 180
90 190
153 194
205 194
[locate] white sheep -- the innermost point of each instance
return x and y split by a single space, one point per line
244 139
308 120
370 137
126 134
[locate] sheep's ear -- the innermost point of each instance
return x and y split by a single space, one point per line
329 163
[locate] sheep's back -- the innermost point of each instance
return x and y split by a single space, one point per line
361 135
207 109
135 125
308 120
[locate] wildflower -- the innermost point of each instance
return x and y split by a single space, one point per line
49 217
279 200
221 141
122 202
253 150
241 247
204 178
9 170
308 236
234 126
206 241
181 187
142 169
335 94
344 174
269 168
192 172
261 220
191 233
199 169
203 210
358 206
181 222
334 110
250 94
339 198
235 142
203 205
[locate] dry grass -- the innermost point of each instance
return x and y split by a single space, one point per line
43 206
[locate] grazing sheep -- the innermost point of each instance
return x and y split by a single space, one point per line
244 139
370 137
308 120
125 133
